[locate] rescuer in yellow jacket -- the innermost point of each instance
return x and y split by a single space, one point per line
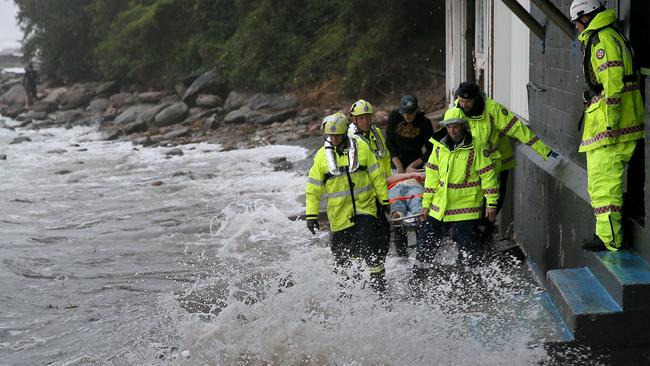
492 125
346 173
613 119
361 113
460 187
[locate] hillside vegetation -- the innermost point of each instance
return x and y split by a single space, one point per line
360 47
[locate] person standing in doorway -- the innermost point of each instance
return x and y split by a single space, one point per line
613 119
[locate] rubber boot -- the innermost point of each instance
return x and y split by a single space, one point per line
595 244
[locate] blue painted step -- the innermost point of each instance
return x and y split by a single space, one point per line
625 275
586 307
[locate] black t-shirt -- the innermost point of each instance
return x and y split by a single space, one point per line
405 140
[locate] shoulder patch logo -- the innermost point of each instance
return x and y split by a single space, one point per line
600 54
504 111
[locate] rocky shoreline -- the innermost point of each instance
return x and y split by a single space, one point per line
200 108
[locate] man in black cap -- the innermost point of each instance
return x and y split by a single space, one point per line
492 125
407 138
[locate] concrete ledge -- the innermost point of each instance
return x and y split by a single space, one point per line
625 275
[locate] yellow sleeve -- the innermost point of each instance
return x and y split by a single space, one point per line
314 188
489 183
432 178
509 124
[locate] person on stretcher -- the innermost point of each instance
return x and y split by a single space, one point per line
405 194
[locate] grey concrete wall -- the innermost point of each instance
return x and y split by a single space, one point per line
551 208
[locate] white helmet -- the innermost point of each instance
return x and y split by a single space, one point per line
582 7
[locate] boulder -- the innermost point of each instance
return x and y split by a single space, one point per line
53 95
45 106
31 115
133 127
209 100
20 139
77 96
15 96
209 83
176 133
236 100
150 97
120 101
98 105
273 101
131 114
106 89
172 114
148 115
68 116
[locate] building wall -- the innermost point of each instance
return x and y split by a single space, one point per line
551 207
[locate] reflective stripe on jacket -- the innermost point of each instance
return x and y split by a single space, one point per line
616 114
457 181
367 181
491 131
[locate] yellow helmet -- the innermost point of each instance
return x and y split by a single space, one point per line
361 107
335 124
453 116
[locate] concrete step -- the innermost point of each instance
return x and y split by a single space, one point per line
625 275
587 309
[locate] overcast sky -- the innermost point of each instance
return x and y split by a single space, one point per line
9 32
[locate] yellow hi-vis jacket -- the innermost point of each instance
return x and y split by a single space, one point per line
616 112
375 139
457 180
491 131
347 191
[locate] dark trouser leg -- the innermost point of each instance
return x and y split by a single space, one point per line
372 248
383 231
467 239
486 235
429 239
341 243
401 241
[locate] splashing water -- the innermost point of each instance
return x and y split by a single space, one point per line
100 266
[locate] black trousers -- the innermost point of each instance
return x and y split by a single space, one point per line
465 234
363 240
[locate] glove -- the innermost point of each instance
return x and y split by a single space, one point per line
553 154
313 224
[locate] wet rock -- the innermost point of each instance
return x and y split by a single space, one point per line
31 115
172 114
273 101
176 133
107 88
210 82
97 105
174 152
46 123
149 115
120 101
150 97
20 139
133 127
209 100
131 114
57 151
53 95
12 111
212 122
3 157
77 96
280 163
157 183
68 116
63 172
236 100
45 106
14 96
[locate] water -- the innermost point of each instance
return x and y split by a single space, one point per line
119 255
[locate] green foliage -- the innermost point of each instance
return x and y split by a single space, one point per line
257 44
